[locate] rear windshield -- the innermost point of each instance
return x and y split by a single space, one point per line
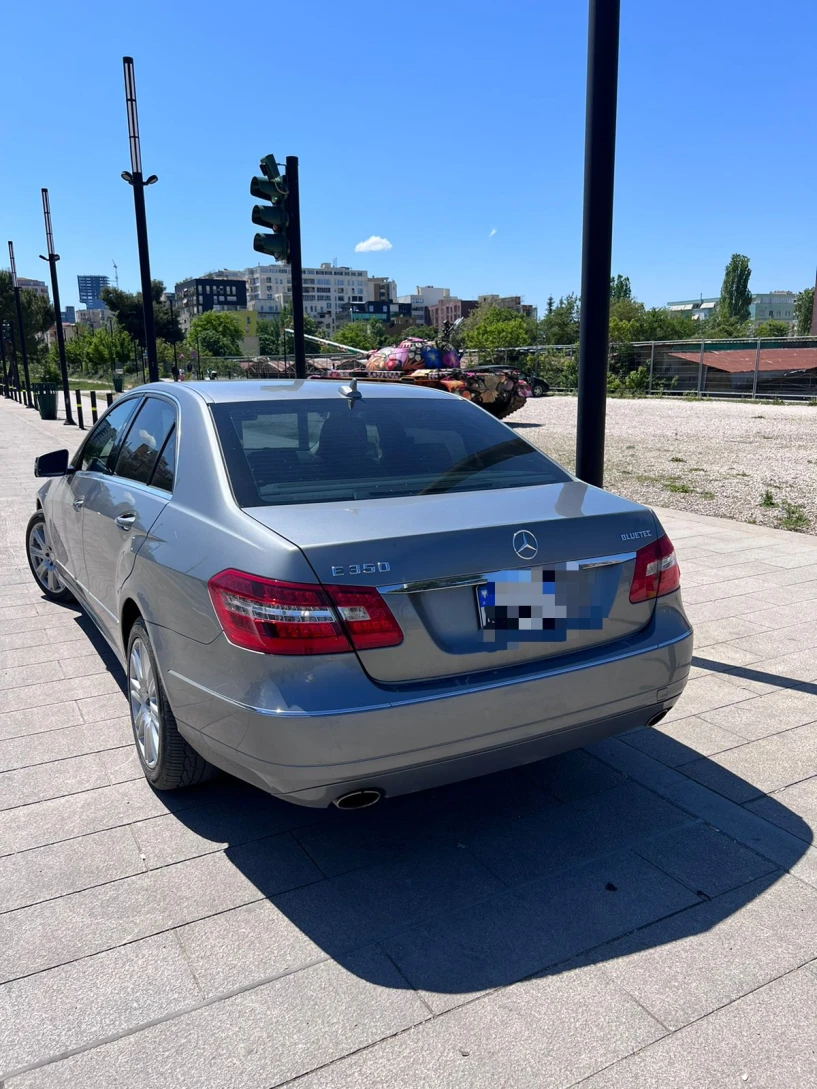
319 451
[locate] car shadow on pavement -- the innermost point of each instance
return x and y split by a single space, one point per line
486 882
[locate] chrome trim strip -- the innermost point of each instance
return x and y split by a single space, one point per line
424 585
490 686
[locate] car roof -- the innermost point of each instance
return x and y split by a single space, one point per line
240 389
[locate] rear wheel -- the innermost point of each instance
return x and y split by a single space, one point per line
539 389
167 760
41 560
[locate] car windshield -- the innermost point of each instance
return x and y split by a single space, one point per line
317 451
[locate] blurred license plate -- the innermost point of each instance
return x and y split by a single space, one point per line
522 601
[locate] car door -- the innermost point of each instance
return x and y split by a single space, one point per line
66 499
120 511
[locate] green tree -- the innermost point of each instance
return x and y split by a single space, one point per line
620 287
424 332
772 328
38 317
492 328
127 307
803 311
561 324
271 334
736 298
551 303
367 335
215 332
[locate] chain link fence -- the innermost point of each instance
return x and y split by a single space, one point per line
748 368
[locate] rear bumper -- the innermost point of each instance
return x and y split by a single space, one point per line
411 744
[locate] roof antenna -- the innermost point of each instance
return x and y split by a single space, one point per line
351 392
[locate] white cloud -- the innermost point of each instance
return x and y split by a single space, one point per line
373 245
493 232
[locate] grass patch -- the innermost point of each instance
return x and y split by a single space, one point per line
768 499
707 495
678 459
793 517
678 487
741 474
704 470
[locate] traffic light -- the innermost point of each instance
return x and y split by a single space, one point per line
272 187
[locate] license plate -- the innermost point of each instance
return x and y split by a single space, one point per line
522 601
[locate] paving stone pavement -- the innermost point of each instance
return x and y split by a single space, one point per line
639 913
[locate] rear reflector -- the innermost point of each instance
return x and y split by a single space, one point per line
656 571
294 618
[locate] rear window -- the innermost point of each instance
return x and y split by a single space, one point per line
319 451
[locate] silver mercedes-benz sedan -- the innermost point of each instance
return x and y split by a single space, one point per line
341 593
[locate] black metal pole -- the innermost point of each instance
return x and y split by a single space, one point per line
14 372
18 306
52 259
3 358
294 235
138 183
597 242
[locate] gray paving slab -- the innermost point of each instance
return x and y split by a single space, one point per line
263 1037
529 928
42 694
22 675
544 1032
73 1006
676 743
766 715
447 815
52 780
740 941
78 925
81 814
767 1039
42 748
576 832
704 859
793 808
705 694
39 719
759 767
44 873
574 775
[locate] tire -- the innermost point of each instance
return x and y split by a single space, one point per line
540 389
168 762
43 568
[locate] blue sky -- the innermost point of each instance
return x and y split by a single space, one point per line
431 125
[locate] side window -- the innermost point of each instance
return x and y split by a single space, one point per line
146 436
165 469
100 443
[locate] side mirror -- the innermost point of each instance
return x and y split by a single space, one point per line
53 464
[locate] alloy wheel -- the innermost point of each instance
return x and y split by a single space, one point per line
144 703
42 561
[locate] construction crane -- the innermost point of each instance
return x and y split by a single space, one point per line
115 272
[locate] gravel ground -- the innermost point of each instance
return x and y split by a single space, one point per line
710 457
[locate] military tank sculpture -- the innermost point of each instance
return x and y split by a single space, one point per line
438 365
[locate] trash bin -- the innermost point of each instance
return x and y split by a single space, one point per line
46 394
118 383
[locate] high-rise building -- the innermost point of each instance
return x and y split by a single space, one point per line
510 302
380 289
326 290
90 290
69 314
39 287
197 296
450 309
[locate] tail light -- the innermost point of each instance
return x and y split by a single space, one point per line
656 571
294 618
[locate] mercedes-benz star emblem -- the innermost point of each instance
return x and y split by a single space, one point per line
525 544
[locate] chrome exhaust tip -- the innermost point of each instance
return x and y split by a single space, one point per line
358 799
657 718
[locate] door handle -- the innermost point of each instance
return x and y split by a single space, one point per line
78 504
125 521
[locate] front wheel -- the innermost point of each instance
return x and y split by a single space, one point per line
41 560
168 762
540 389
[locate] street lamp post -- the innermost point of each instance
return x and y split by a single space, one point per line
20 328
135 179
3 358
52 259
597 242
